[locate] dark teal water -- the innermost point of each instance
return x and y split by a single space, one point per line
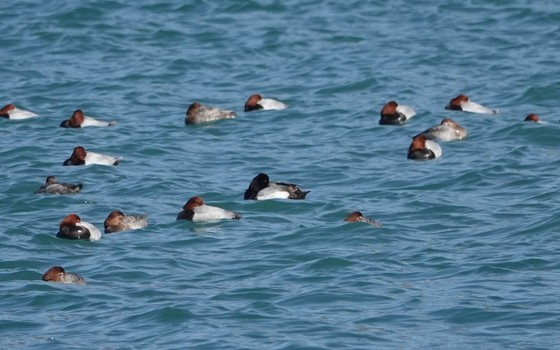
468 253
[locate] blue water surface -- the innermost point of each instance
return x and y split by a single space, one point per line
467 257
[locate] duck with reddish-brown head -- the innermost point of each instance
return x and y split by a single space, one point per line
256 102
72 227
423 149
118 221
463 103
10 111
196 210
59 275
532 118
82 157
79 120
357 216
393 113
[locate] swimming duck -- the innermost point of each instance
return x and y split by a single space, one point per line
79 120
197 113
57 274
10 111
447 130
72 227
463 103
261 188
196 210
393 113
117 221
256 102
357 216
81 157
423 149
53 187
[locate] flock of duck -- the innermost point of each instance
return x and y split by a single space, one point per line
422 147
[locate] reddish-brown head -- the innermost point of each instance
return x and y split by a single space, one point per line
354 217
77 118
55 273
114 218
455 103
532 118
418 143
79 155
253 103
6 109
389 109
71 219
193 202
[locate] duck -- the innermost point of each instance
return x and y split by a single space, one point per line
117 221
197 114
357 216
261 188
58 274
447 130
393 113
463 103
81 157
10 111
257 102
53 187
196 210
423 149
72 227
79 120
532 118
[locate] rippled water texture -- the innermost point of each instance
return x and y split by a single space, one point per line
468 253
